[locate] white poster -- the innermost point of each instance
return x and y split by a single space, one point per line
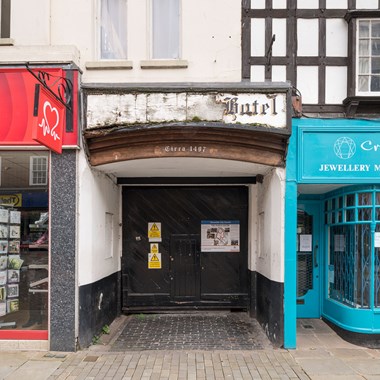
306 243
220 236
377 239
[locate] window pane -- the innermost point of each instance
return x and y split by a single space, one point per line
375 66
365 199
364 47
375 29
350 216
363 65
365 214
165 29
375 45
375 83
350 200
363 83
113 27
363 29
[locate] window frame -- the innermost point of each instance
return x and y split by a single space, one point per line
370 56
179 47
99 35
31 171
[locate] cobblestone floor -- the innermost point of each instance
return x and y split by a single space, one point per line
206 331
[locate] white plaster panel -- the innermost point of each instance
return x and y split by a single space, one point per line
336 38
279 4
204 107
307 36
105 110
307 83
257 37
278 73
271 202
367 4
98 194
279 45
166 107
257 73
307 4
27 29
336 84
257 4
336 4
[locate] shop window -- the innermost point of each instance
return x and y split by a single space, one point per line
165 29
38 170
24 243
113 29
354 250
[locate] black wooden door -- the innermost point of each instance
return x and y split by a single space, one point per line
184 268
188 276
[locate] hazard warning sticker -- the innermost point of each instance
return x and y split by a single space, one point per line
154 260
154 232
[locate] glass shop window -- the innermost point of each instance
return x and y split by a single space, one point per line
24 240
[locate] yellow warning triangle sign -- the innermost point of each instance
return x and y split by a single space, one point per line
154 227
154 258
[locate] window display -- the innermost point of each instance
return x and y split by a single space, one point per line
24 254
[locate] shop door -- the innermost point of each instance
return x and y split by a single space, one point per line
308 260
184 268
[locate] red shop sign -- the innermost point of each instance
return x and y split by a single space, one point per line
18 111
50 119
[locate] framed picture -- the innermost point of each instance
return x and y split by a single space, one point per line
3 246
13 275
3 293
3 308
4 216
14 262
3 231
3 277
14 232
12 305
3 262
15 217
12 291
14 246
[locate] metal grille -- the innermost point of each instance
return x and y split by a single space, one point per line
304 273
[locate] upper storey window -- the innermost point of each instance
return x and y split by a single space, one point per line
113 29
165 29
5 16
368 78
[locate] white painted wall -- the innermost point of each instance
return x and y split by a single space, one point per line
211 38
98 195
270 235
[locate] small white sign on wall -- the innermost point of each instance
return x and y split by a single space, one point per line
306 243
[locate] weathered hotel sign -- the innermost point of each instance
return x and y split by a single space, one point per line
249 109
339 155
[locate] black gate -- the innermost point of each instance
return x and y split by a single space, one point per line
183 275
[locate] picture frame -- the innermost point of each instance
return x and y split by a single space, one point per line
15 217
3 231
14 232
3 277
14 246
3 246
3 262
12 305
12 291
14 262
13 276
3 293
4 216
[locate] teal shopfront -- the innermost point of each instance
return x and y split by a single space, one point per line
332 229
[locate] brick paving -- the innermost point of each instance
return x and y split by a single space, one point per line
206 331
